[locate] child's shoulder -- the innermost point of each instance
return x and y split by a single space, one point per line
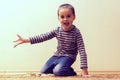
76 29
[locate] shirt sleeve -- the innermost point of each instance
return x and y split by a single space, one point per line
43 37
81 49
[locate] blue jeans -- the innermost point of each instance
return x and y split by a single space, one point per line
59 66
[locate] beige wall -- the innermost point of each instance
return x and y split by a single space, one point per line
98 20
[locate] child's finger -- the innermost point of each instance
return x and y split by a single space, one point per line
14 46
19 36
18 44
16 41
86 76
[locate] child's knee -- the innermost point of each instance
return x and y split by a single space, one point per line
63 71
58 71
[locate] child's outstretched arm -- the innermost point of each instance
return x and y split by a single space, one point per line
83 55
21 40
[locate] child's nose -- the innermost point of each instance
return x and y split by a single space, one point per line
65 19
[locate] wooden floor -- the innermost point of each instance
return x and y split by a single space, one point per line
95 75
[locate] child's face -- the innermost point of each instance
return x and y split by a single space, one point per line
66 18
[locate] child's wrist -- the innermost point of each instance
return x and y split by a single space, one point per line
84 71
26 40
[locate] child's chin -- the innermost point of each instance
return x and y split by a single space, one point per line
66 26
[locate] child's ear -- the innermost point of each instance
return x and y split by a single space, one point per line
74 17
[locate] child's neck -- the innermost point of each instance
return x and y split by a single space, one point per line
68 29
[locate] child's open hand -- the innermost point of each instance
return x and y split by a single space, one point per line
20 40
85 76
85 73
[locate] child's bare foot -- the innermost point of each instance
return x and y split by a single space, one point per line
35 75
40 75
47 74
44 75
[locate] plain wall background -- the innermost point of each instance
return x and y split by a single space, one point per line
98 20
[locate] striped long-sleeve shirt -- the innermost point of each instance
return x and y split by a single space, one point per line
69 43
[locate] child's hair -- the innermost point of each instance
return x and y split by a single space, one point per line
66 6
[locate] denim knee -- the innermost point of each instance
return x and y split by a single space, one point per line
63 71
57 71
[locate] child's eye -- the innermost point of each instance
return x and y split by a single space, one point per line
62 16
68 16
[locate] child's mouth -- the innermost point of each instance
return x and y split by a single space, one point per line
66 23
